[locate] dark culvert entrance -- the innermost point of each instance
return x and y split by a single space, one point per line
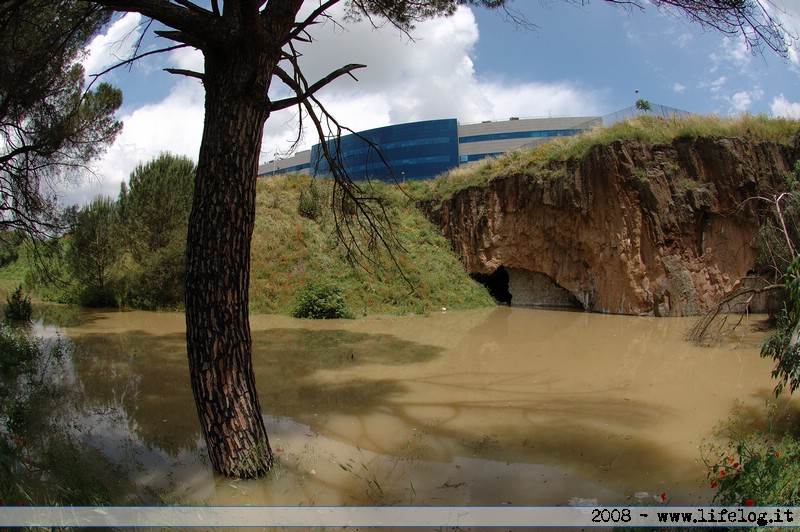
497 284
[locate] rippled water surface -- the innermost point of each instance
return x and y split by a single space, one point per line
486 407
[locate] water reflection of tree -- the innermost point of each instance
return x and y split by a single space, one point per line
286 360
43 456
140 377
144 376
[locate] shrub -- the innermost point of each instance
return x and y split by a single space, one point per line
18 306
8 254
308 204
754 469
17 356
321 301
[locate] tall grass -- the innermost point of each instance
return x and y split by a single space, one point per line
544 161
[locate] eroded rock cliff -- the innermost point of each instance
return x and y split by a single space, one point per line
634 229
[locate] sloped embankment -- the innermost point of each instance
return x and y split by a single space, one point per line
290 250
629 227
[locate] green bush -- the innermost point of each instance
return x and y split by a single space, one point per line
753 468
321 301
308 204
17 356
8 254
18 306
10 242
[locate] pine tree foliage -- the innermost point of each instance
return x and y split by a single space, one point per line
50 126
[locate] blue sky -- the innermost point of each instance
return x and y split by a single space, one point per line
473 66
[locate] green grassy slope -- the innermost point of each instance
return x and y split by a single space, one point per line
289 250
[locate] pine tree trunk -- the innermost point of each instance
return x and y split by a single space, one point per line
218 265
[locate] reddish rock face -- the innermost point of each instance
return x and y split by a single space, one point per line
630 228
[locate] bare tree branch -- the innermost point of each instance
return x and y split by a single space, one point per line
312 18
709 329
202 25
779 210
136 58
310 91
184 72
361 223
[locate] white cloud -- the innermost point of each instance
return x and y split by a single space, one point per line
174 125
113 46
684 40
782 107
734 53
187 59
533 100
714 86
678 87
431 76
742 101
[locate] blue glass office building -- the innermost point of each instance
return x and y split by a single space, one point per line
418 150
423 150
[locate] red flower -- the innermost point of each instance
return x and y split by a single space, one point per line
777 454
713 483
663 497
749 502
722 472
736 464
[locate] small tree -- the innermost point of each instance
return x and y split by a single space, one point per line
154 206
153 211
18 306
93 253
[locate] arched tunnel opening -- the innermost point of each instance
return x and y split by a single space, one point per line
497 284
521 287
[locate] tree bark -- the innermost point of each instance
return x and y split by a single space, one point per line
218 262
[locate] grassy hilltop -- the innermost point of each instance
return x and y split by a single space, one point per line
543 162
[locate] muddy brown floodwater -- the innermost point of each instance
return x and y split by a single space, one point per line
486 407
